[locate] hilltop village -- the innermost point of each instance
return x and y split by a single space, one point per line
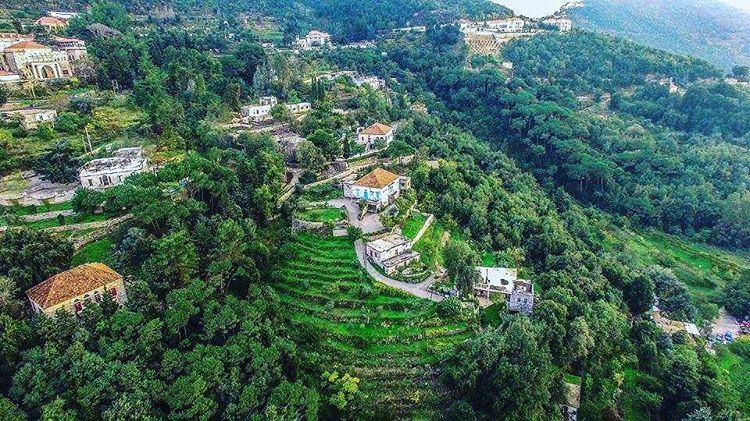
246 211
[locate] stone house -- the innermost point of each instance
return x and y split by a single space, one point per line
52 23
314 39
497 280
377 132
73 47
73 289
378 189
107 172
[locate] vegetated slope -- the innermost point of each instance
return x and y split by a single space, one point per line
358 326
710 30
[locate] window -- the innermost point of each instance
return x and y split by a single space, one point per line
91 183
78 306
97 297
113 292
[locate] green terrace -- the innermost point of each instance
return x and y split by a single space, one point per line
386 338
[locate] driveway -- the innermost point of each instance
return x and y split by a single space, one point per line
368 224
420 290
725 323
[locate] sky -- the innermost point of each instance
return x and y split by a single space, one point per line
540 8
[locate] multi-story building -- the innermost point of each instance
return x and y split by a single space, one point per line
562 24
73 289
107 172
314 39
34 61
73 47
506 25
391 252
496 280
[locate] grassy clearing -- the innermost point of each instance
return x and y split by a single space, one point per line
70 220
356 325
411 226
430 246
97 251
322 215
35 209
704 269
736 370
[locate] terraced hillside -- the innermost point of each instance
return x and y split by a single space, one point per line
358 326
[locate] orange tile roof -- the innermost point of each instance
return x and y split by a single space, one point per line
71 283
51 21
377 179
377 129
25 45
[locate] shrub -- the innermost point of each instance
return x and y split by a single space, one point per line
450 307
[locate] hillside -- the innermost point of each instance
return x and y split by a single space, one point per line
710 30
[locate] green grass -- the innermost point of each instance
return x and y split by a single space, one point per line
629 405
321 193
413 224
35 209
385 337
69 220
569 378
322 215
430 246
97 251
703 269
736 370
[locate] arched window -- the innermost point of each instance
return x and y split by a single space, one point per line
78 306
113 292
97 297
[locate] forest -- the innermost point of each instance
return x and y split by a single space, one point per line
527 172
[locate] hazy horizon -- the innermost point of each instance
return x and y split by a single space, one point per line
541 8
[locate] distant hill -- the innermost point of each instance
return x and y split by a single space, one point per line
702 28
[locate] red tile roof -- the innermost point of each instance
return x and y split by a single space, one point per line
377 179
51 21
377 129
25 45
71 283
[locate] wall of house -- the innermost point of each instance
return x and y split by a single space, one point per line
118 285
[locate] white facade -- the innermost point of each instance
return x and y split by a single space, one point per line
563 24
372 81
107 172
32 118
314 39
35 61
506 25
371 135
73 47
391 252
496 280
256 113
299 107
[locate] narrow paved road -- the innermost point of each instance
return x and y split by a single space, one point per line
368 224
420 290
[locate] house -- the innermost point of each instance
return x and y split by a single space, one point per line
391 252
375 133
299 107
73 47
562 24
673 326
378 189
62 15
34 61
314 39
268 100
372 81
73 289
9 38
107 172
256 113
506 25
496 280
31 118
8 77
52 23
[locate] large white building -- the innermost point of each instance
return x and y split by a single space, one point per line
369 136
34 61
563 24
506 25
391 252
107 172
314 39
377 189
496 280
262 111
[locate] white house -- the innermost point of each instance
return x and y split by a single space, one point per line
505 281
256 113
377 132
506 25
372 81
377 189
391 252
107 172
299 107
314 39
31 118
563 24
